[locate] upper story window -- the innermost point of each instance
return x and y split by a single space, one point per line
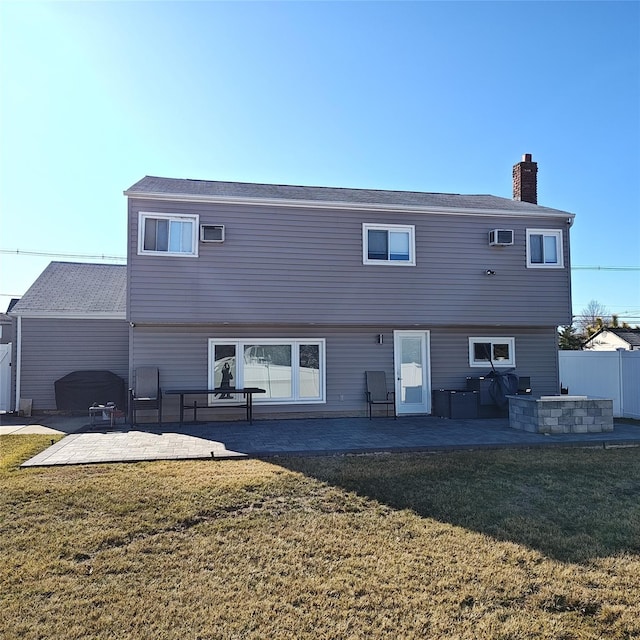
544 248
497 351
167 234
388 244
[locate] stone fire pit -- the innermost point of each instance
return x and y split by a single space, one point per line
561 414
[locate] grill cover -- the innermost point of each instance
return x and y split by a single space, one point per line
80 389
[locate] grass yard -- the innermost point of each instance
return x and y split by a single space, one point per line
485 544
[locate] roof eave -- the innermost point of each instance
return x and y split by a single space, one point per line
71 315
352 206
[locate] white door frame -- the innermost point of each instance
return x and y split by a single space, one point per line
423 405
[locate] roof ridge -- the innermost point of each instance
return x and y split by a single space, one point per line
319 186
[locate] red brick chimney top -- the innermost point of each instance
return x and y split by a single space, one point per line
525 180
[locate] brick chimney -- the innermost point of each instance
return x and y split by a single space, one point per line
525 180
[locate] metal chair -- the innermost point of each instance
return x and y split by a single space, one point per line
377 392
147 394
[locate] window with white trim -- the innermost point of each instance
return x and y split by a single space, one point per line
388 244
484 351
289 370
167 234
544 248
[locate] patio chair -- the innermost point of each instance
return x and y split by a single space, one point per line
147 394
377 392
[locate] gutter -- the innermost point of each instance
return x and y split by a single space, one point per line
312 204
71 315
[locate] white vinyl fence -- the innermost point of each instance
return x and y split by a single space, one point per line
5 377
604 374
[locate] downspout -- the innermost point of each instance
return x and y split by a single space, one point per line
18 361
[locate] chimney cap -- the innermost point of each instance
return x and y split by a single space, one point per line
526 157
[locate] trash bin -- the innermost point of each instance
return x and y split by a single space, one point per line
457 405
463 405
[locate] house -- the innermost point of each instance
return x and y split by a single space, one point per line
300 290
613 338
72 318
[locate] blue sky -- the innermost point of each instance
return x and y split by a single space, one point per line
426 96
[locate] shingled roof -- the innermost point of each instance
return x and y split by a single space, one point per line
631 336
178 188
76 289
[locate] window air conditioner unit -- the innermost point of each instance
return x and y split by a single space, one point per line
211 233
500 237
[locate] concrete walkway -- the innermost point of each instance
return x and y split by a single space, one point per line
302 437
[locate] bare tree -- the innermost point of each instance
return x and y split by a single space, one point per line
592 318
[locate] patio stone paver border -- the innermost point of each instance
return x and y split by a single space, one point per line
313 436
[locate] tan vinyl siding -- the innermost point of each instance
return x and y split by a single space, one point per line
52 348
296 266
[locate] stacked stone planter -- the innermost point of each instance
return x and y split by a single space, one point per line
561 414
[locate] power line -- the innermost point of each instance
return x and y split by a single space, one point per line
581 268
47 254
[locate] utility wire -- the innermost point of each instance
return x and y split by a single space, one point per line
581 268
48 254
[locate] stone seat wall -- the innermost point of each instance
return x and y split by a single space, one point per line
561 414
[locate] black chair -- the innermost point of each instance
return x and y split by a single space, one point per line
147 394
377 392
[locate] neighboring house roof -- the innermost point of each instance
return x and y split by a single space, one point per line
208 190
631 336
76 290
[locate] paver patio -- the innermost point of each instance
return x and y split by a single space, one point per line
314 436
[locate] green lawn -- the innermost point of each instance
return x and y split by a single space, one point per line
486 544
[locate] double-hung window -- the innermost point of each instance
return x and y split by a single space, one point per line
497 351
388 244
167 234
289 370
544 248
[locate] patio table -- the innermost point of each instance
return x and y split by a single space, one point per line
247 394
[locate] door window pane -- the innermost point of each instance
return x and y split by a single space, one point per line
269 367
411 373
309 371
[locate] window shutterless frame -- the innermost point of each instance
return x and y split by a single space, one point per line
497 350
162 234
291 370
388 244
544 249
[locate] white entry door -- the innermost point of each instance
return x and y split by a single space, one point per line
5 377
412 372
